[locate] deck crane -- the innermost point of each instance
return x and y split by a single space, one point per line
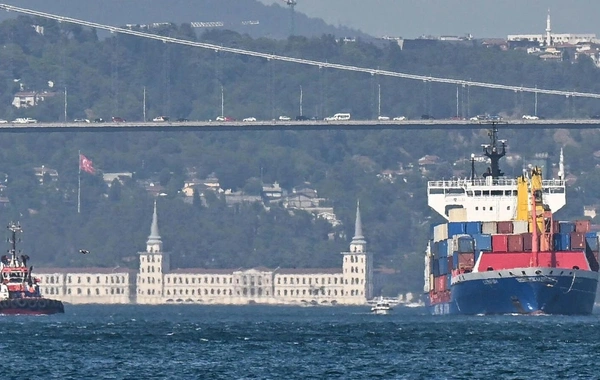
292 5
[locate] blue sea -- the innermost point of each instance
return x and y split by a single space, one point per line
258 342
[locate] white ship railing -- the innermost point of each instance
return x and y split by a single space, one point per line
484 182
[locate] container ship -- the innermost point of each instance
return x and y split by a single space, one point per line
501 251
19 290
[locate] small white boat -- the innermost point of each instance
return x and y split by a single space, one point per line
381 307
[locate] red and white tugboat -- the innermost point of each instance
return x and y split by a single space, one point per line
19 290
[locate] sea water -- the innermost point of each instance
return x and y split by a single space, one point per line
259 342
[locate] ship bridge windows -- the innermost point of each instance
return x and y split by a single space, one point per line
436 191
454 191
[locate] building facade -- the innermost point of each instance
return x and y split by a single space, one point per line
155 283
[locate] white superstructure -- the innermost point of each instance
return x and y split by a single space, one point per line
493 197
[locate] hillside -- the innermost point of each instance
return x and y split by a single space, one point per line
106 77
274 21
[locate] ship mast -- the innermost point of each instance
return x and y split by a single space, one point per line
495 150
13 228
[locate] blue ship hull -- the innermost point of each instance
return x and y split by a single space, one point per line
564 294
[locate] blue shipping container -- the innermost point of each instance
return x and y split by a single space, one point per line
443 263
562 242
473 228
566 227
443 248
483 242
436 268
456 228
449 281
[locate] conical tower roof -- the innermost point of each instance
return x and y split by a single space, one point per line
154 235
358 233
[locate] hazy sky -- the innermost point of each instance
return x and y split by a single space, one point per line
482 18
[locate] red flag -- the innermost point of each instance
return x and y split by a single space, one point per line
85 164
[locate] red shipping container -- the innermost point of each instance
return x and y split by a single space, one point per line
577 240
500 243
450 262
466 260
441 283
515 243
505 227
527 241
582 226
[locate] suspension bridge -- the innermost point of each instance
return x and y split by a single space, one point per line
354 124
319 125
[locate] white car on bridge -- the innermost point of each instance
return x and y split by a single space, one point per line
249 119
24 120
530 117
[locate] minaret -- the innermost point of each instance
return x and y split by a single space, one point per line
561 165
548 31
357 267
154 243
154 264
358 243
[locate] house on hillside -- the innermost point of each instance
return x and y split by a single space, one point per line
42 171
25 99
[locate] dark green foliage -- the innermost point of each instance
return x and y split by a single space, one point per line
106 78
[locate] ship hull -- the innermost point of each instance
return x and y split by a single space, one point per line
31 306
536 292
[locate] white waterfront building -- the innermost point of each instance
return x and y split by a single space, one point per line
155 282
549 39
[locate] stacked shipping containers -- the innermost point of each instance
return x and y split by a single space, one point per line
456 246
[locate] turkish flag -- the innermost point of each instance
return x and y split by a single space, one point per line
85 164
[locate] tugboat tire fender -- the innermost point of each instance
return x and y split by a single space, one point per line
20 302
32 304
42 304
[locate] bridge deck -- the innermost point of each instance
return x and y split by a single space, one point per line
296 125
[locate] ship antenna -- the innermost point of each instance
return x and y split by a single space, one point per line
13 228
495 152
472 168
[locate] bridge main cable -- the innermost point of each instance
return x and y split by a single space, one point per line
337 66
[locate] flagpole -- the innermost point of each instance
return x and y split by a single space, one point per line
79 183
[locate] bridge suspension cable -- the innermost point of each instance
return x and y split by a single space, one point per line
337 66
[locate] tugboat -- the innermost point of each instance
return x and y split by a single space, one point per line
19 290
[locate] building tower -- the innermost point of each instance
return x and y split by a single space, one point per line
357 267
548 31
154 263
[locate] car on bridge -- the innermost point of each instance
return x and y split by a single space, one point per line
117 119
249 119
24 120
400 118
530 117
284 118
160 118
224 118
383 118
81 120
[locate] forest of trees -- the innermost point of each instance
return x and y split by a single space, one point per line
106 77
